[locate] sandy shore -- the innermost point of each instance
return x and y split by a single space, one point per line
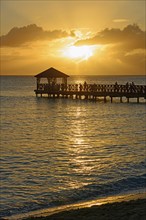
126 210
124 207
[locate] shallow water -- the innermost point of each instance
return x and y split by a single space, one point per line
55 152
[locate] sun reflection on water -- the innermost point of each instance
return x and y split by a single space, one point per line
80 164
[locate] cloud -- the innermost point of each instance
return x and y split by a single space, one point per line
125 50
131 37
19 36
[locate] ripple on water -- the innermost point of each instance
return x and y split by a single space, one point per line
61 151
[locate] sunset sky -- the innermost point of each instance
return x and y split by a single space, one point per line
76 37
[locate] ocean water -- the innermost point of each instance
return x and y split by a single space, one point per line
61 151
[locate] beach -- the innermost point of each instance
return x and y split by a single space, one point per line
126 210
122 207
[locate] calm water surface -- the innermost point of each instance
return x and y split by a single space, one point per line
61 151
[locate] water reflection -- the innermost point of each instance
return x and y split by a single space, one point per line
81 165
63 150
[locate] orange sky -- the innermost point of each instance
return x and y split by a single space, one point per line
76 37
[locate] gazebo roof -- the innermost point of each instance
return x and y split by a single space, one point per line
51 73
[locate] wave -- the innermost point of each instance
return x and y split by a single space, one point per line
88 192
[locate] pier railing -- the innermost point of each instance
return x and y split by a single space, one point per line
94 88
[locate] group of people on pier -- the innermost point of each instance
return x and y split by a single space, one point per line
131 87
85 87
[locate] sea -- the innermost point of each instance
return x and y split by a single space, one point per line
63 151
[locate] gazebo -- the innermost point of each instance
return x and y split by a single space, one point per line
52 75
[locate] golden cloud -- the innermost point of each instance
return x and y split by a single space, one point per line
131 37
20 36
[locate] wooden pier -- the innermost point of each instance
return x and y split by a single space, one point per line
85 91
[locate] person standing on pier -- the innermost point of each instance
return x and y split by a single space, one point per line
85 86
116 87
80 87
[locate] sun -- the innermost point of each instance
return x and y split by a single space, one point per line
79 52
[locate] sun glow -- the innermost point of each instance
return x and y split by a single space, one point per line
79 52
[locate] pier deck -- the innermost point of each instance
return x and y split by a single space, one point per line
92 91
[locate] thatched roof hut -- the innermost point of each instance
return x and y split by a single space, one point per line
52 75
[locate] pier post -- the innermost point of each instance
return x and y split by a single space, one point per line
121 99
128 99
137 99
111 99
105 99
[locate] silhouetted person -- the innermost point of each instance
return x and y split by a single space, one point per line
133 87
80 87
85 86
116 86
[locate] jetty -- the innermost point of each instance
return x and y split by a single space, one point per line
53 83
